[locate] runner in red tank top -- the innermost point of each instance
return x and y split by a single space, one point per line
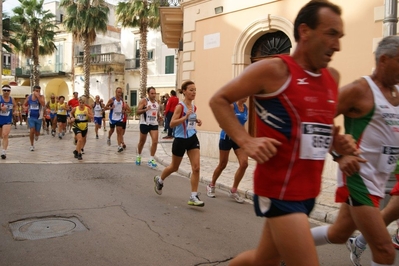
295 104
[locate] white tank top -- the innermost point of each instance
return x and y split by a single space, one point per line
150 117
377 135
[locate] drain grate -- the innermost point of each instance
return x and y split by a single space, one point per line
46 227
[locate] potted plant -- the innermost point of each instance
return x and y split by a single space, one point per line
133 113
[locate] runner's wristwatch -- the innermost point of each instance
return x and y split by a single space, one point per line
335 155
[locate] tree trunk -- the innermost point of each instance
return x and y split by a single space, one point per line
86 68
35 57
143 58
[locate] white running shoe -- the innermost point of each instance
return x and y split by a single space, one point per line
158 186
356 252
236 196
195 201
32 148
210 191
36 138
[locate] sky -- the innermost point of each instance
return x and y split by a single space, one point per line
8 5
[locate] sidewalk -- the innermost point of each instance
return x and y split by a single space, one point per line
55 151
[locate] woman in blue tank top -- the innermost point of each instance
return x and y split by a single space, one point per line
184 120
225 145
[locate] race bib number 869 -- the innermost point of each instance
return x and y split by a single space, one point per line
316 140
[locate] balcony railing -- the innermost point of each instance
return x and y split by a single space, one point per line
132 63
170 3
102 59
25 72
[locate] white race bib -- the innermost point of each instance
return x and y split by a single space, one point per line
151 116
6 112
316 140
34 106
192 121
388 158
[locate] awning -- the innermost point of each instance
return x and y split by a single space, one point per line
20 91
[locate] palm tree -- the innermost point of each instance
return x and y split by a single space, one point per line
8 29
142 14
34 32
84 18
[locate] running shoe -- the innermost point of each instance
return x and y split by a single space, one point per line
138 160
3 155
36 138
59 135
195 201
210 191
83 151
395 241
158 186
75 153
152 164
109 142
96 136
355 251
32 148
236 196
52 133
80 157
120 149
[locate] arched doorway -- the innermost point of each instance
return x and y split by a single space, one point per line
270 44
57 87
266 46
259 40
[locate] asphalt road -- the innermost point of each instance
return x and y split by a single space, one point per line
127 223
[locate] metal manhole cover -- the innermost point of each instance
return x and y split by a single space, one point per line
47 227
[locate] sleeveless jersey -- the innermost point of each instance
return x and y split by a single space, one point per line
241 116
81 118
6 116
116 114
53 107
17 111
150 117
47 114
98 110
186 129
62 108
34 109
377 135
301 116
